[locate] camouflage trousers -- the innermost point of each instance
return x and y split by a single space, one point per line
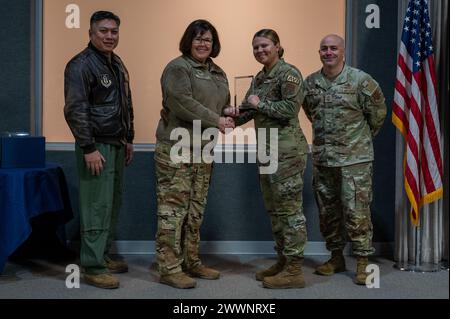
182 190
283 199
343 195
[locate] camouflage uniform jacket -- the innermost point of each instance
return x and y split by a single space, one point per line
191 91
280 91
345 114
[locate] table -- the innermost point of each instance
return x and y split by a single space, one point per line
26 193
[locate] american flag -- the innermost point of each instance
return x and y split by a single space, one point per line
415 110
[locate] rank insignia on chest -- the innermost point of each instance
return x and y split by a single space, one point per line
347 88
105 80
328 98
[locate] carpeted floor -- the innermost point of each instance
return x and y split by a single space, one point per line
39 279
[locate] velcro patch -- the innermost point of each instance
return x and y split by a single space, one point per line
290 89
293 79
377 96
369 87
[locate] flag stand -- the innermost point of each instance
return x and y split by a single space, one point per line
416 264
444 265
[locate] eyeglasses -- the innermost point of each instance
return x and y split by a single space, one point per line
206 41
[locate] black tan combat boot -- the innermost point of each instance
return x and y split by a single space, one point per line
290 277
334 265
272 270
178 280
361 274
201 271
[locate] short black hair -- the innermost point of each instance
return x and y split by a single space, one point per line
195 28
102 15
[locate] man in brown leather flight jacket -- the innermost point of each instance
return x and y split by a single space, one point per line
99 111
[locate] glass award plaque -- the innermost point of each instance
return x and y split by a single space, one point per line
241 86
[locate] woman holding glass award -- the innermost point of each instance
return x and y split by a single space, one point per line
273 101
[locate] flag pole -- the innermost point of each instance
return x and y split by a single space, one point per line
418 247
418 265
415 114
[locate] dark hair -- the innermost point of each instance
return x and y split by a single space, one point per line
271 35
102 15
195 28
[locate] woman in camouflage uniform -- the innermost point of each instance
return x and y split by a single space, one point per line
194 89
274 101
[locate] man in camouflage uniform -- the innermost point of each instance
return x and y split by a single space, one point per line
275 102
347 109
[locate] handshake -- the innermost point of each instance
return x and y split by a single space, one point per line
231 112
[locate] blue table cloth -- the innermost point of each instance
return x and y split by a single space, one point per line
26 193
